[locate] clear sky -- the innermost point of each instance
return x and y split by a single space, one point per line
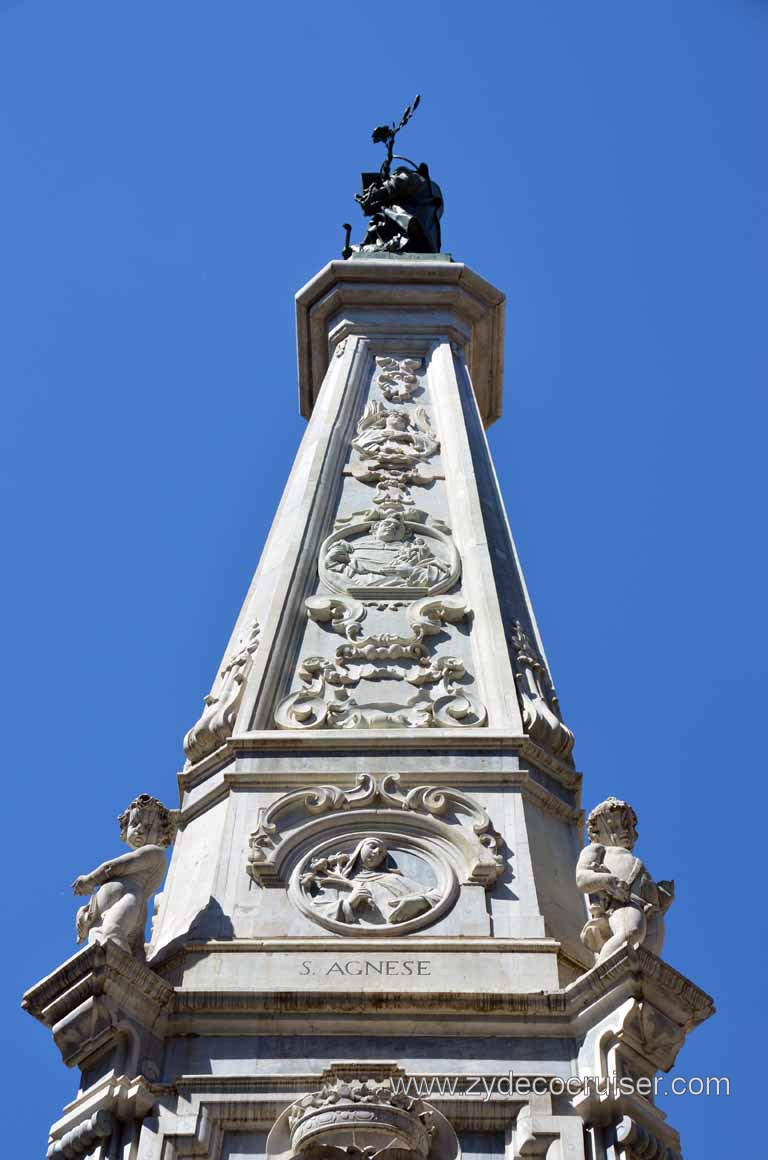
173 172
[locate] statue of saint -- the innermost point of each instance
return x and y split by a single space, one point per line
122 887
405 211
627 906
405 205
366 887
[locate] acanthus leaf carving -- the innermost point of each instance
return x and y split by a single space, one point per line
538 701
217 720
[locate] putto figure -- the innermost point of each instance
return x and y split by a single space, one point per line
122 887
405 205
627 906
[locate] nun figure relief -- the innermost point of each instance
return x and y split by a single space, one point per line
365 887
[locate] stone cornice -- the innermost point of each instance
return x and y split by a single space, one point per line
94 971
369 743
470 310
646 976
106 972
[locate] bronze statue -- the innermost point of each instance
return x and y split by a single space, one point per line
405 205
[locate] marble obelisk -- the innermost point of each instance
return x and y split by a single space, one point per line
372 914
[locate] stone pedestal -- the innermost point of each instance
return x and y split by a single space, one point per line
371 916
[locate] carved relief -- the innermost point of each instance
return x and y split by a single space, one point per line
325 699
220 713
397 378
122 887
369 885
375 803
365 1117
393 485
393 447
538 702
626 905
388 554
362 1110
394 439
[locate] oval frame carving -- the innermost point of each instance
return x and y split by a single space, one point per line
332 580
423 845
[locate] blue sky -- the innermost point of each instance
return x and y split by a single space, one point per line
173 172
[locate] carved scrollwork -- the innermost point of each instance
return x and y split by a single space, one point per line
220 713
538 701
397 379
378 800
325 699
393 484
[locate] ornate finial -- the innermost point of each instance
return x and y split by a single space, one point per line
405 206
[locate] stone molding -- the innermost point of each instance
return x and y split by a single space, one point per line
406 298
636 1143
88 999
97 1112
258 744
537 1130
629 975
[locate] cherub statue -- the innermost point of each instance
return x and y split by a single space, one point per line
122 887
627 906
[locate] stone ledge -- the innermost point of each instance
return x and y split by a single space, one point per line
96 999
70 1000
384 742
95 970
643 974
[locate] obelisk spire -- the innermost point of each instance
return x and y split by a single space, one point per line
376 876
